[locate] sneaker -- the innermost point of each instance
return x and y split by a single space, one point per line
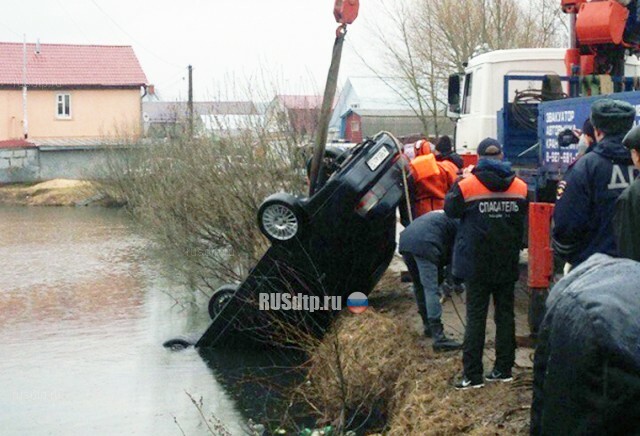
465 384
497 376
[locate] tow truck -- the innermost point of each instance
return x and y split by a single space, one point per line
545 91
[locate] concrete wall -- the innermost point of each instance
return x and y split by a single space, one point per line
94 113
80 164
35 165
18 165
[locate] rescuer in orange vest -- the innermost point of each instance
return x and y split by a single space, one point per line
491 203
432 179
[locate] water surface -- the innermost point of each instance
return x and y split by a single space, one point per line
83 313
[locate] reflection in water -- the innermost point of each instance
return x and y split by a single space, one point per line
259 383
82 315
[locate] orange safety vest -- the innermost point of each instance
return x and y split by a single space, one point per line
473 190
432 180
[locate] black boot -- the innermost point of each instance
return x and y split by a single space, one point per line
440 340
427 332
425 323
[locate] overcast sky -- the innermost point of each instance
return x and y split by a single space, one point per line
289 40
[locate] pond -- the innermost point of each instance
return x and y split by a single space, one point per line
84 311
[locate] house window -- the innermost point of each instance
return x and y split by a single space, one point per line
63 105
355 126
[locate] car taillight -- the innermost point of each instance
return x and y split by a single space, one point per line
367 202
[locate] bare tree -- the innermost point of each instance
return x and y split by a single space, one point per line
434 38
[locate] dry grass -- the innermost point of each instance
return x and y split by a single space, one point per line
57 192
352 373
377 368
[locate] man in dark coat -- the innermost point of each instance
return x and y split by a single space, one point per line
444 151
587 363
586 204
426 246
492 204
626 221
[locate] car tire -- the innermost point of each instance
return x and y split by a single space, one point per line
280 218
220 298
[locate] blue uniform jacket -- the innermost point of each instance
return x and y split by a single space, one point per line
586 203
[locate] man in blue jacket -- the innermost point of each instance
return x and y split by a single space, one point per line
588 193
426 246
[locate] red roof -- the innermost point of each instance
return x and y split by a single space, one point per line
71 65
301 101
16 143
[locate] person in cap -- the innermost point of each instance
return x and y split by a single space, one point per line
491 203
444 152
626 221
426 245
586 201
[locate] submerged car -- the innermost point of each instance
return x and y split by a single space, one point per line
337 242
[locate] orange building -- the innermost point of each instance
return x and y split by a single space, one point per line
76 94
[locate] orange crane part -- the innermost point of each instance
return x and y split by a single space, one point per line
571 6
346 11
540 252
601 22
540 261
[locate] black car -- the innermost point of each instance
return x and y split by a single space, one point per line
337 242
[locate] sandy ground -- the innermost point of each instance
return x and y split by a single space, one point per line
57 192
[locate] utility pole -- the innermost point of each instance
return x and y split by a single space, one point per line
25 124
190 102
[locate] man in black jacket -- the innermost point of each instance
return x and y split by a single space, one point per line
587 362
584 210
626 221
492 204
426 246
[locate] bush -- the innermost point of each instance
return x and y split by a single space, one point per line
198 197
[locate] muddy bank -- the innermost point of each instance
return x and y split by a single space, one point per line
57 192
386 378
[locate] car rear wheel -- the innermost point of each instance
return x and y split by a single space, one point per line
220 299
279 218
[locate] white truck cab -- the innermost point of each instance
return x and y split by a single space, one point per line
483 84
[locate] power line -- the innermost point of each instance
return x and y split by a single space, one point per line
131 37
11 30
173 79
70 17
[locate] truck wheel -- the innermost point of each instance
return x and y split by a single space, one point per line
279 217
220 298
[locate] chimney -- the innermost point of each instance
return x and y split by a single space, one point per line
38 46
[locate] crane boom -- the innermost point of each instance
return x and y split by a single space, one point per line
603 31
